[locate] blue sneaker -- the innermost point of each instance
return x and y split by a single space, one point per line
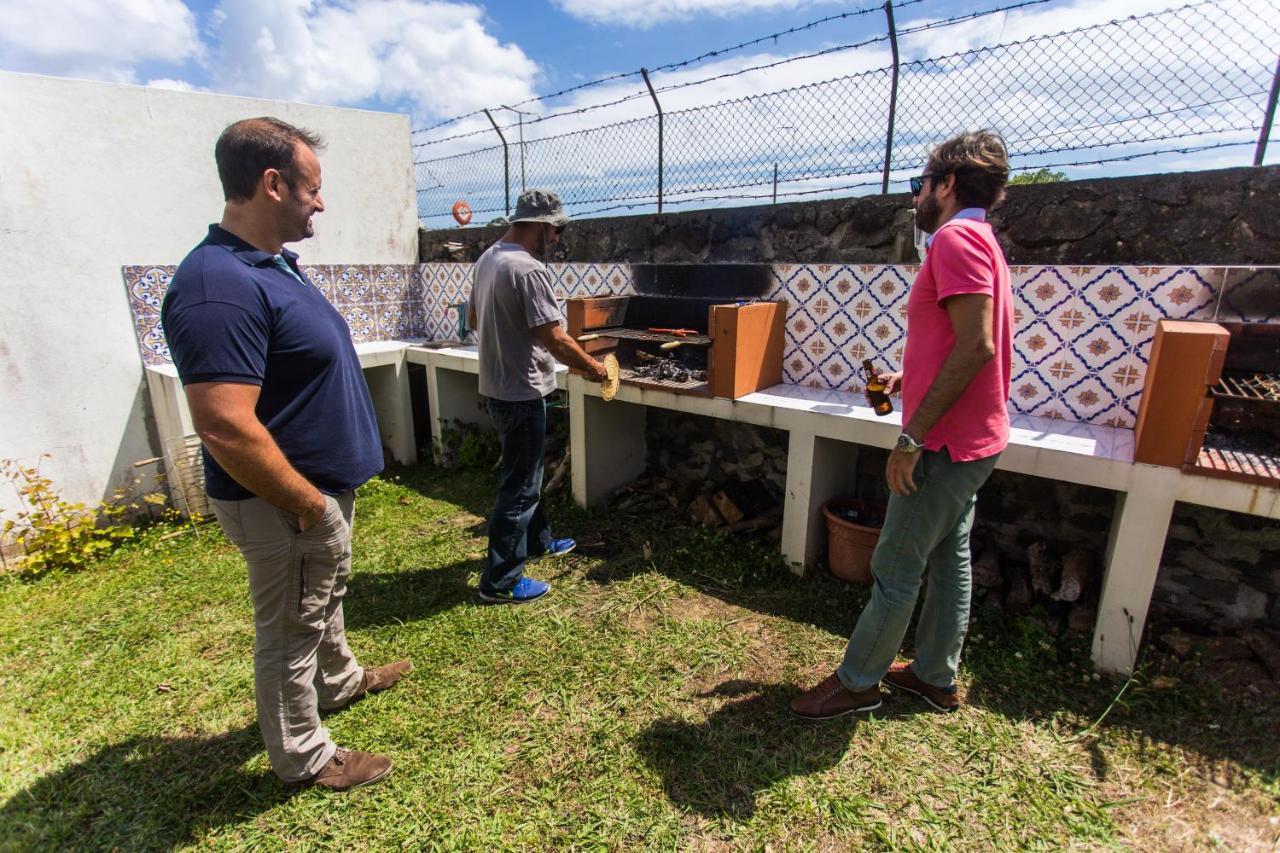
560 547
523 592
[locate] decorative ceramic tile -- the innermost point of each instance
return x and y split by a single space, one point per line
1182 293
1250 295
388 282
352 285
146 286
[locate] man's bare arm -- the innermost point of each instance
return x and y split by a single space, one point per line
567 351
971 319
472 322
226 422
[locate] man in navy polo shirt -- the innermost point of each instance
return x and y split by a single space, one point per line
278 399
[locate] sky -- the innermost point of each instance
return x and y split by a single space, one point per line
435 59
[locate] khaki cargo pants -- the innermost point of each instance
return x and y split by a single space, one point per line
301 662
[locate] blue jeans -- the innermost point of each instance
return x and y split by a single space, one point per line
517 528
929 527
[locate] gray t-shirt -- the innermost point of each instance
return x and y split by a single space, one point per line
512 293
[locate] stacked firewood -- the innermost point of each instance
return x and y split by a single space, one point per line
1065 586
735 507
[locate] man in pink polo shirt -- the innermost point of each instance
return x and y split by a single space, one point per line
955 389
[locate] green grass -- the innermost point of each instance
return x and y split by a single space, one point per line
642 705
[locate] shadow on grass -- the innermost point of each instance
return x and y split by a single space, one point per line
375 599
718 766
144 793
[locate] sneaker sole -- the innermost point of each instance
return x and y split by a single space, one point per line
489 599
932 704
861 710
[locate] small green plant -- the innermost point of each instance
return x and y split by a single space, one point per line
465 445
60 534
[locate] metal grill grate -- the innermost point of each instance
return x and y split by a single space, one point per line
649 337
690 387
1254 386
1238 465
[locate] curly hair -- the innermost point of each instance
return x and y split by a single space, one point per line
980 163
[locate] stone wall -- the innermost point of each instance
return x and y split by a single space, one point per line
1227 216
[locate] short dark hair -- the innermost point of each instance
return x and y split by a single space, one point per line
980 162
250 146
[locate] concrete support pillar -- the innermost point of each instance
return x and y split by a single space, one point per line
452 396
818 469
393 407
606 441
1134 547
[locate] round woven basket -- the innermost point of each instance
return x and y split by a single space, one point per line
609 388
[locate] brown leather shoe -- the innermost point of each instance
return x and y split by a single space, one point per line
832 699
350 769
376 679
379 678
900 677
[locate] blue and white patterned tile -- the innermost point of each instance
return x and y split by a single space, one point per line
1038 341
839 372
843 284
352 285
618 280
388 282
320 276
802 284
146 286
1028 390
1099 346
1039 291
392 320
1088 398
1250 295
778 275
152 345
1107 291
1183 293
361 321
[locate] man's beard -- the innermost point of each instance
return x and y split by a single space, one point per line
928 212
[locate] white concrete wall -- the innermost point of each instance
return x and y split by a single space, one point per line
94 176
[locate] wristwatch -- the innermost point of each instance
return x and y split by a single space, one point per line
907 444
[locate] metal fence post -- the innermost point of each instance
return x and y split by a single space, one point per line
506 161
1261 150
893 97
644 72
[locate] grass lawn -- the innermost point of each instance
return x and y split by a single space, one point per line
642 705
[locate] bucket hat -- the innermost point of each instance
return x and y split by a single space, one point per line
539 205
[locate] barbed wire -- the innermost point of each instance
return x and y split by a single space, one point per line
643 93
674 66
1202 69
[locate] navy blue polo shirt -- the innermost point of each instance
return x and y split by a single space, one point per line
232 315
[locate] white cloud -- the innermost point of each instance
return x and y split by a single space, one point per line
629 13
172 85
436 55
90 38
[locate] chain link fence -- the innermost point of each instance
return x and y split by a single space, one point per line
1200 73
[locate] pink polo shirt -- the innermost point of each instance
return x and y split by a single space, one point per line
963 257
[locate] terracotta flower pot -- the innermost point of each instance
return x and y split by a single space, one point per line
850 545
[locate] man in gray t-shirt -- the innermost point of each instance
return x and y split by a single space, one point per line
513 310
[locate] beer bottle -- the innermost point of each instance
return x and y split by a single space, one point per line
876 396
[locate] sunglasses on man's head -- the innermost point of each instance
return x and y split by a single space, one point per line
917 184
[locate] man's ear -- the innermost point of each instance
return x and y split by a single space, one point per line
273 184
948 186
